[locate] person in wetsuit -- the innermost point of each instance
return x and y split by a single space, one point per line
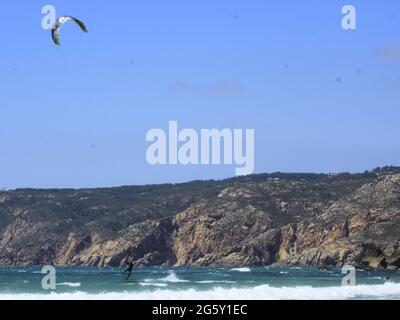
128 269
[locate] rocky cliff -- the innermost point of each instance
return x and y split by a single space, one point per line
295 219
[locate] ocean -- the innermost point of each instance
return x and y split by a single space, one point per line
158 283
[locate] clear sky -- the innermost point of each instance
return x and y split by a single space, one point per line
321 99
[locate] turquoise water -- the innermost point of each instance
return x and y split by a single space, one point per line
198 283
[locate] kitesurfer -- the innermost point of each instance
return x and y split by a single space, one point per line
128 269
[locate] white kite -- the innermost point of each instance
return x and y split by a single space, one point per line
55 32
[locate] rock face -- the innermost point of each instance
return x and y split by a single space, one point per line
282 219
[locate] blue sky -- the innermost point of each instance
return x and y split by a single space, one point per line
321 99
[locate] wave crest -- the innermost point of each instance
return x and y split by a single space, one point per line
70 284
241 269
263 292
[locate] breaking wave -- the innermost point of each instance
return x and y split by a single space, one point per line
384 291
172 277
154 284
241 269
70 284
215 281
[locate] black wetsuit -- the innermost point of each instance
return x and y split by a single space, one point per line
129 269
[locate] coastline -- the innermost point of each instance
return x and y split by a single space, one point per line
318 220
197 284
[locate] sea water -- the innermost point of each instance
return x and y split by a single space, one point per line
198 283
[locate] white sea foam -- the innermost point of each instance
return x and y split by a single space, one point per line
215 281
241 269
154 284
70 284
384 291
172 277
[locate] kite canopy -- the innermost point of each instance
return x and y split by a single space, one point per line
55 32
